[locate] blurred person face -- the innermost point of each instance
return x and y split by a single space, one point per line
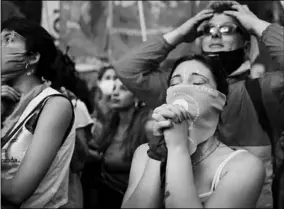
121 97
193 72
109 75
106 83
221 34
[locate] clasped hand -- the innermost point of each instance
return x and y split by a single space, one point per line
172 122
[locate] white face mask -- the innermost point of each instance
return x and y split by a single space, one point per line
106 86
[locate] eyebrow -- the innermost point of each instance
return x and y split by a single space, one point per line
178 76
200 75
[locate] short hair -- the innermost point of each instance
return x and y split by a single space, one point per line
215 66
219 7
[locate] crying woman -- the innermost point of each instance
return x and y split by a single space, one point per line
186 164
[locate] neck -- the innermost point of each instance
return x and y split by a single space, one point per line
204 150
25 83
125 116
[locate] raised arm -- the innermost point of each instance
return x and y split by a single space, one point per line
139 69
273 39
140 73
48 136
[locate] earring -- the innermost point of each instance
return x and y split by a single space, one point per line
136 104
27 66
30 72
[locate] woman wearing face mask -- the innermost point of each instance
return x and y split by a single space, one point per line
125 132
106 77
101 117
187 166
253 117
38 135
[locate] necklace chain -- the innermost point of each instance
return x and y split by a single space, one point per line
203 155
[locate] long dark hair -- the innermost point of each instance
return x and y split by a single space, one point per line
135 134
53 65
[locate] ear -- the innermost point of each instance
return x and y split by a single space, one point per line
34 58
247 46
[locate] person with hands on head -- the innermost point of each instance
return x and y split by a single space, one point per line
186 166
253 116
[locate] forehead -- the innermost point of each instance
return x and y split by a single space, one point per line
219 19
12 34
109 72
193 66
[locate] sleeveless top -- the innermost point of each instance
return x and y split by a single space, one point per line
52 192
205 196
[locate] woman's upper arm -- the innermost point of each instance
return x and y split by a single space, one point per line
241 186
51 127
138 165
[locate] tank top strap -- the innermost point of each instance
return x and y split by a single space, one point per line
218 172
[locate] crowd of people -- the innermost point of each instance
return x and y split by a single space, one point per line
206 134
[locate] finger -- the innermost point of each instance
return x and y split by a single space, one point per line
158 109
205 11
10 96
178 114
10 92
183 112
235 3
10 89
158 127
231 13
164 124
158 117
166 113
204 17
239 8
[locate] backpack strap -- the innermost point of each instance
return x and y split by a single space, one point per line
254 91
32 119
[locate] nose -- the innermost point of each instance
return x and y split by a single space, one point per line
216 33
115 91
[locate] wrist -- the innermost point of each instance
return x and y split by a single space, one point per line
260 26
174 37
179 148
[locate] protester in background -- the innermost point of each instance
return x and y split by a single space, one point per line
38 135
125 132
105 83
196 169
225 34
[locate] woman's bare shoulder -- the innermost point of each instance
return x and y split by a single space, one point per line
246 163
141 151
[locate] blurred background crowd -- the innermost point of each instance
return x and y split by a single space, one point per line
90 37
